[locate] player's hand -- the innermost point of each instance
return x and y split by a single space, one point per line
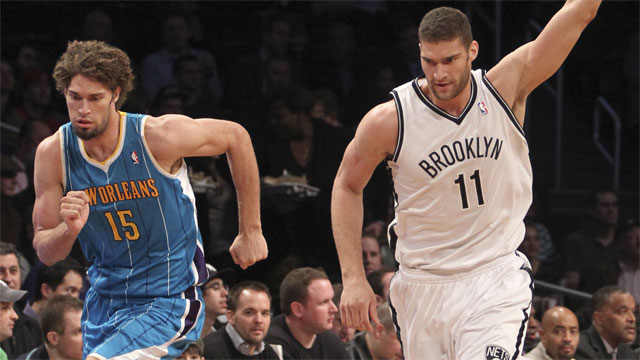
74 210
357 303
248 249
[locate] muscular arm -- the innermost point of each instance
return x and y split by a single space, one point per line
520 72
173 137
57 219
375 139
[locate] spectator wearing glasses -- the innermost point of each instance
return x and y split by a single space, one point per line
215 293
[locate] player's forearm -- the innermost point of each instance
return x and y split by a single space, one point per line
346 217
244 170
584 10
53 245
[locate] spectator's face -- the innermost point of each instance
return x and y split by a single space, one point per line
69 343
190 76
278 74
8 319
176 33
252 316
630 241
215 297
277 40
8 81
9 185
371 255
388 346
71 285
533 326
39 91
190 356
89 103
606 209
344 333
617 319
560 335
10 271
319 309
386 282
530 245
171 105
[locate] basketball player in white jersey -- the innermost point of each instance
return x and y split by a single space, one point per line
453 142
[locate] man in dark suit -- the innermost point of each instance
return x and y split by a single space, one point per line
613 326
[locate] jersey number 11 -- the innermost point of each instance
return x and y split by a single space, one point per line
463 189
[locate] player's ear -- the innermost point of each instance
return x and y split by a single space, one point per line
473 50
116 94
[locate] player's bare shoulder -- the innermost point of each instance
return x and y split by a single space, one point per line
48 161
379 128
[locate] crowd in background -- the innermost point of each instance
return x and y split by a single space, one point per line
298 77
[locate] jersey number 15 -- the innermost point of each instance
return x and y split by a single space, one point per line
129 228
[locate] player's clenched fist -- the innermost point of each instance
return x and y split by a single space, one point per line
74 210
247 250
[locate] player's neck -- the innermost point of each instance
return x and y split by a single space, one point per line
104 145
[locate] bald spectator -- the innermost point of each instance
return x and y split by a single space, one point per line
613 326
61 330
303 329
381 344
559 335
8 315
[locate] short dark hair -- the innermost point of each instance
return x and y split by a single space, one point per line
234 293
294 286
8 248
602 296
445 24
52 315
54 275
96 60
375 279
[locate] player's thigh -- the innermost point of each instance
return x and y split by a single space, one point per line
497 326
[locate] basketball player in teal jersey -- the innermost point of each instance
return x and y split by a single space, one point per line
454 145
118 183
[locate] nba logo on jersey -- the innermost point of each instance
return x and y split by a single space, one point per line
134 157
495 352
483 108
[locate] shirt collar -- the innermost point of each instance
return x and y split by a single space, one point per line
240 344
607 347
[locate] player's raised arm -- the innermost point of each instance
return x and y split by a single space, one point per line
172 137
57 219
375 139
524 69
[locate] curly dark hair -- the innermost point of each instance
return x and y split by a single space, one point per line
97 60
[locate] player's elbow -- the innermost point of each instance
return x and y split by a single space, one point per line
587 10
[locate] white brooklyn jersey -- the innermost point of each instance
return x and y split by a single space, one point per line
462 185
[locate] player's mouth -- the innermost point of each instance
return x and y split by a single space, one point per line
83 123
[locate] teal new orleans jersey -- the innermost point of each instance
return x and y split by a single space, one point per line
141 238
